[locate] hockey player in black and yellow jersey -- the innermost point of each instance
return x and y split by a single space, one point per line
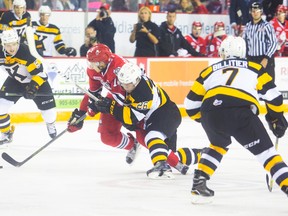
25 76
148 104
225 99
17 18
50 36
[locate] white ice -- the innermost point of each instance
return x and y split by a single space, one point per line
77 175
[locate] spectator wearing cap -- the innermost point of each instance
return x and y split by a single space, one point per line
195 40
172 42
104 26
260 39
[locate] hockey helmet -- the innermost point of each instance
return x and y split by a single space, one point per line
197 24
44 9
255 6
232 47
281 9
99 53
9 36
129 73
219 25
20 3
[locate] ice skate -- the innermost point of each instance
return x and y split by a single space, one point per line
8 136
133 152
201 194
51 129
182 168
161 170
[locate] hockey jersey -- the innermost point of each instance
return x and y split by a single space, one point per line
23 66
281 31
197 43
233 83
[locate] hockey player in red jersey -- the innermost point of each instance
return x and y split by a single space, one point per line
214 39
280 25
102 69
195 40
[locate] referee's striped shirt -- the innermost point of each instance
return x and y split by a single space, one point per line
260 39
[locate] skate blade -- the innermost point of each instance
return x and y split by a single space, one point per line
201 200
136 155
165 176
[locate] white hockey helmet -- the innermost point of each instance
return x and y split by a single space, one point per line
44 9
21 3
9 36
232 47
129 73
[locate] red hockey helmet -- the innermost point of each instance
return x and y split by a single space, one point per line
281 9
99 53
219 25
197 24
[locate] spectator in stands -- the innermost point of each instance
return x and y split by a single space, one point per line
195 40
119 5
280 25
167 5
172 42
64 5
214 39
215 6
269 8
50 35
17 18
146 34
104 26
239 15
185 6
90 40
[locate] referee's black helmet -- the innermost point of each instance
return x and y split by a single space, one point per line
256 5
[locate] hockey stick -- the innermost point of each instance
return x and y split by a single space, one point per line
269 180
15 163
43 94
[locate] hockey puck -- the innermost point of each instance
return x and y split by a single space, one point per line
1 167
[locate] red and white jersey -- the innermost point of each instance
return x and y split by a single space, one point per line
197 43
213 44
106 79
281 31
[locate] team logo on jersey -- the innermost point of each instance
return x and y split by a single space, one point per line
217 102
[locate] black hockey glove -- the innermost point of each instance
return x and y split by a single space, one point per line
92 109
31 90
70 51
72 127
106 105
277 125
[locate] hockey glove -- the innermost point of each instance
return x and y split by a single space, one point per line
72 127
277 125
70 51
92 109
106 105
31 90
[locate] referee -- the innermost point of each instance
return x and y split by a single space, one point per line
261 40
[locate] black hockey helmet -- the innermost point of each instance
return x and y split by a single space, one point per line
256 5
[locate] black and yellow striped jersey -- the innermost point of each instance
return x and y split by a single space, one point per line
50 37
145 100
23 66
233 83
9 19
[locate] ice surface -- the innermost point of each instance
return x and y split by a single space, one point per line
77 175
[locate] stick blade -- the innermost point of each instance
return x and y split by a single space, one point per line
268 183
10 160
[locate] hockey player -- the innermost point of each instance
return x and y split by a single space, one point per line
195 40
148 104
25 76
280 25
17 18
102 69
50 36
214 39
224 98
